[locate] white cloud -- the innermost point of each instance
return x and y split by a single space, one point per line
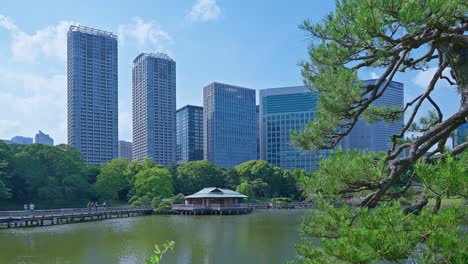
205 10
36 102
144 33
50 41
374 75
423 78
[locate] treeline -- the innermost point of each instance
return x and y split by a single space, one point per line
57 176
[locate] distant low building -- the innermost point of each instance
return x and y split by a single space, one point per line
42 138
214 196
21 140
125 150
6 141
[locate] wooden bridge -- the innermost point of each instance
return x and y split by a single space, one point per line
72 215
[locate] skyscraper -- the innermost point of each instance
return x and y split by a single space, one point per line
42 138
461 135
283 110
377 136
21 140
154 108
92 93
189 133
229 130
125 150
257 124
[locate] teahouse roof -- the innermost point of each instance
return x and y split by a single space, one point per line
213 192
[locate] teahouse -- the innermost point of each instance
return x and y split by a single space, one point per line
214 196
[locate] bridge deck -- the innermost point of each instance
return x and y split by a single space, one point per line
57 216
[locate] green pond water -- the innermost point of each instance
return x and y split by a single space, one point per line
264 236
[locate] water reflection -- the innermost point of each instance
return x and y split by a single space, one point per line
266 236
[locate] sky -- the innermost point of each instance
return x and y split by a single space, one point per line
254 44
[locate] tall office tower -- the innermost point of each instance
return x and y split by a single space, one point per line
125 150
92 93
377 136
461 135
21 140
283 110
154 108
257 123
229 131
189 133
43 138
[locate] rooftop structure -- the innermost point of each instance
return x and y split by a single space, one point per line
215 193
43 138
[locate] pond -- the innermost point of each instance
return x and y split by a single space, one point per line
264 236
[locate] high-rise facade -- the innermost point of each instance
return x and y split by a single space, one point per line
283 110
21 140
125 150
257 124
461 135
92 93
189 128
229 130
42 138
154 108
377 136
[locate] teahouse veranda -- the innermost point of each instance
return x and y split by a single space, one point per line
213 195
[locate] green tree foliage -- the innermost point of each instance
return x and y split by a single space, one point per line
48 173
263 173
389 37
4 171
178 199
231 178
112 180
156 182
91 173
246 189
345 172
446 177
363 235
196 175
395 36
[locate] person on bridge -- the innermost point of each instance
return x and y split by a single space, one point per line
31 207
96 206
25 209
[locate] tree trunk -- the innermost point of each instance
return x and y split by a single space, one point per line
437 205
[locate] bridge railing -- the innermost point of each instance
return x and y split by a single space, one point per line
242 205
68 211
211 206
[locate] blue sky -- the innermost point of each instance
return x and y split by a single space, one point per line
255 44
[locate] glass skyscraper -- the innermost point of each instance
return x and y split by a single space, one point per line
125 150
229 130
377 136
189 133
461 135
283 110
154 108
42 138
92 93
21 140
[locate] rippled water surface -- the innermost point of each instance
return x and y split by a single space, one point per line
265 236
